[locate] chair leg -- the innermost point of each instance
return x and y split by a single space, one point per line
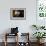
5 43
5 40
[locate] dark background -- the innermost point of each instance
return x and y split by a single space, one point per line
20 15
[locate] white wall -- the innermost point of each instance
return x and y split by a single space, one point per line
24 25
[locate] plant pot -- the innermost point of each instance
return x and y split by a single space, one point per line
40 41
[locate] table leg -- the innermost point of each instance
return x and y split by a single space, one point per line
5 40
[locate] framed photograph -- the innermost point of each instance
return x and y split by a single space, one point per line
17 13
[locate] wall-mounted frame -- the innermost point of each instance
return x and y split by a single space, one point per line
17 13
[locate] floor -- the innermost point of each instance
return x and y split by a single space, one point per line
13 44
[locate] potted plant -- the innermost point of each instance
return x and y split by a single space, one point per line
42 27
39 35
38 27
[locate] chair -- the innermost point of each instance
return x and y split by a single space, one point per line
7 35
26 37
14 32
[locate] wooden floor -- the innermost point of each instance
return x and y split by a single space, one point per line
13 44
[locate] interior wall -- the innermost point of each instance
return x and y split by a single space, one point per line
24 25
